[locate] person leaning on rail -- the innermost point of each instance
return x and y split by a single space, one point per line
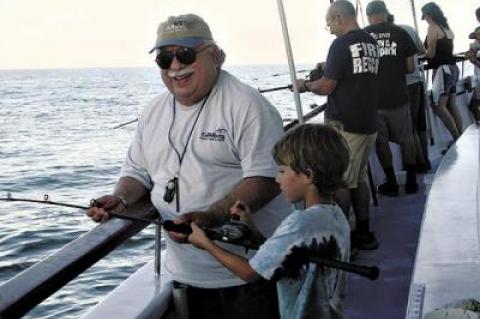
473 55
350 82
200 146
439 45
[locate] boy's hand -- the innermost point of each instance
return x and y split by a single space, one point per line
200 218
240 211
198 238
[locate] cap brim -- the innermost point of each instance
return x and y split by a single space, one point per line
375 11
189 42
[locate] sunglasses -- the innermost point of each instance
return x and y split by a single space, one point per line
184 55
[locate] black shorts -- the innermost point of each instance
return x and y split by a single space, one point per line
250 301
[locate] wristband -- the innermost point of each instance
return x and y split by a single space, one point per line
305 86
122 200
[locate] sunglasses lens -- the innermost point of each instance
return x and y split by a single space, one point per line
164 59
185 55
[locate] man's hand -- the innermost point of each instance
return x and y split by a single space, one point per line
243 213
202 219
470 55
103 205
300 85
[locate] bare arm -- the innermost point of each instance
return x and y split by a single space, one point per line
255 192
410 64
432 36
127 191
236 264
322 86
421 50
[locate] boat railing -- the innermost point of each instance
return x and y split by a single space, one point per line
29 288
447 265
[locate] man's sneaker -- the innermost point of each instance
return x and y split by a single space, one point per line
365 241
388 189
411 188
422 168
353 253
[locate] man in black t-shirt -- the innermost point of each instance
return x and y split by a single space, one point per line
351 71
396 50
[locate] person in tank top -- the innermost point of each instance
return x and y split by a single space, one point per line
439 45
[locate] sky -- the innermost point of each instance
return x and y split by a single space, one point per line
50 34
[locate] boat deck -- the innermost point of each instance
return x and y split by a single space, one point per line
396 222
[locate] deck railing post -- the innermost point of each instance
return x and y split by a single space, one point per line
158 250
291 64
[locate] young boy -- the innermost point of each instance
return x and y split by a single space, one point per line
312 160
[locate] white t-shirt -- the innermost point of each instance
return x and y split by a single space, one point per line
231 140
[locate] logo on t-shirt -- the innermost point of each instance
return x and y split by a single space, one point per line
386 46
364 57
218 135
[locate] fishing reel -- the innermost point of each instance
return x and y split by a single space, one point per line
316 73
235 232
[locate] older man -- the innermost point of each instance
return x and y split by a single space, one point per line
350 81
199 147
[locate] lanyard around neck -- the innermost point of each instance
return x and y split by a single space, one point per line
181 156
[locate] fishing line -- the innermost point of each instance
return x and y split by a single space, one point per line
46 200
126 123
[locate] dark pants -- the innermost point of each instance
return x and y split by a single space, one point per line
416 97
249 301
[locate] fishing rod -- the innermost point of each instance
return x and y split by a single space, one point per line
46 200
370 272
314 112
315 74
278 74
278 88
126 123
233 232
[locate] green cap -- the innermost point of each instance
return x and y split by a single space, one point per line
187 30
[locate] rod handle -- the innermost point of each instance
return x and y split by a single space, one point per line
169 225
370 272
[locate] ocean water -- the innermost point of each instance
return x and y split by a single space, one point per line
57 138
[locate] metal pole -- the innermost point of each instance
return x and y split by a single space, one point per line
158 250
425 87
291 65
360 10
412 3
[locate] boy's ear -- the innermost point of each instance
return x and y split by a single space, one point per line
309 176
